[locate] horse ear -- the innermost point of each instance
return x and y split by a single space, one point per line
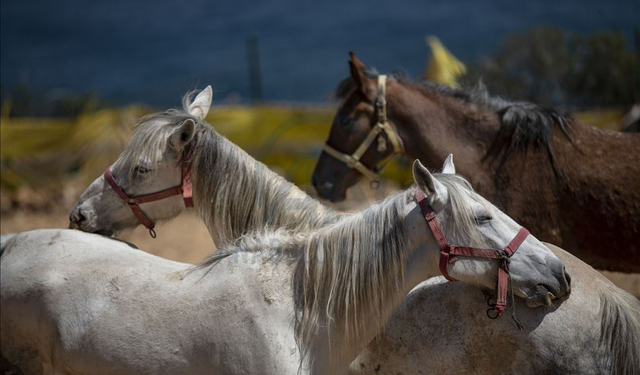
448 167
182 135
364 83
201 104
435 191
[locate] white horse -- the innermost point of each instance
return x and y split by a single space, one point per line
234 194
273 304
256 198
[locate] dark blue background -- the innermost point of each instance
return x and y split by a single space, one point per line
153 51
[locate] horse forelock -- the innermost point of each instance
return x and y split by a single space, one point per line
462 228
150 137
344 89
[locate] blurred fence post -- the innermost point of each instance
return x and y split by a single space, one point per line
253 62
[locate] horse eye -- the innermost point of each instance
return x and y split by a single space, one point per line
345 121
483 219
141 169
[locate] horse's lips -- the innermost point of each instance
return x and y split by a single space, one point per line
104 232
543 296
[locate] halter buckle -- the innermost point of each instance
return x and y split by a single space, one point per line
430 216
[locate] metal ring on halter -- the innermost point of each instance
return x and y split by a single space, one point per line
490 298
492 314
152 233
374 184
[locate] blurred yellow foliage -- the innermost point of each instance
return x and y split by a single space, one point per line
46 152
41 152
610 119
443 67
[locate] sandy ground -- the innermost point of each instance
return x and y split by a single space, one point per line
186 239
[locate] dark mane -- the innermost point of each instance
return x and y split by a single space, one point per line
522 124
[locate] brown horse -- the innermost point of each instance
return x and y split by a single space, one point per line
571 184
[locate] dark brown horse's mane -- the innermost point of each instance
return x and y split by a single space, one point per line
523 125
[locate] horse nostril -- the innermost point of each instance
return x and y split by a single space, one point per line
567 277
325 190
76 218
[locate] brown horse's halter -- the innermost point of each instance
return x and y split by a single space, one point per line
450 253
353 161
134 201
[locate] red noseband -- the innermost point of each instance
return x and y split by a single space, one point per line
450 253
134 201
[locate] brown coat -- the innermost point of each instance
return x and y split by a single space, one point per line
570 184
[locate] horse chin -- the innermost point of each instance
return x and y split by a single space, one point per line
104 232
85 228
337 198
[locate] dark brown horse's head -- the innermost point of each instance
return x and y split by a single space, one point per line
354 119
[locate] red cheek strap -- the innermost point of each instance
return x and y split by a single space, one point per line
450 253
134 201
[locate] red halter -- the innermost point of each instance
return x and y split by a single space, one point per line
135 200
449 253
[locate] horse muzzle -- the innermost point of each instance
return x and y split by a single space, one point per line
545 294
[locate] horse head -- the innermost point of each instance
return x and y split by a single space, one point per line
144 184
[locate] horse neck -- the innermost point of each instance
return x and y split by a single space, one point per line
235 194
433 125
353 275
